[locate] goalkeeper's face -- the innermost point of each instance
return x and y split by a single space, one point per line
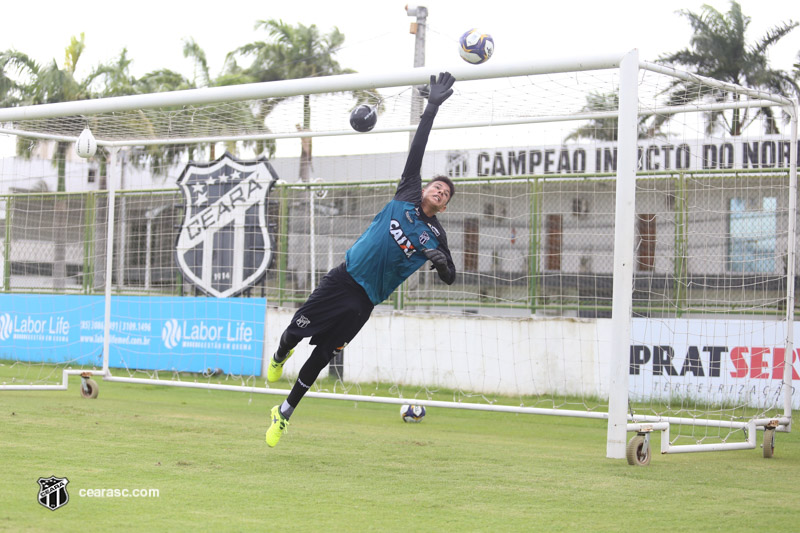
435 197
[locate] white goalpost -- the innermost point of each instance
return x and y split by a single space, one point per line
623 232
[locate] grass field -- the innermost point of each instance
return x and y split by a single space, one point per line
356 467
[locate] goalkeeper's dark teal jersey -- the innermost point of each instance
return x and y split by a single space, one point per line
390 250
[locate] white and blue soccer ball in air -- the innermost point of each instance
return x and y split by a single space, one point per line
412 413
475 46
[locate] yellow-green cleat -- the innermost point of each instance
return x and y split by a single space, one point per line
277 428
275 369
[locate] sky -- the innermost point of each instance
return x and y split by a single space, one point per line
376 31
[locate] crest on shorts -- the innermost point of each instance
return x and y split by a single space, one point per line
53 492
224 245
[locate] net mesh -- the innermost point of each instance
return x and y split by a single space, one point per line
531 229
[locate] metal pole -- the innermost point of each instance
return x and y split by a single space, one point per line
418 30
123 222
312 234
147 251
315 85
112 181
623 255
5 264
790 268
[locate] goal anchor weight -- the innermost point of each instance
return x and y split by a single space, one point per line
638 451
89 388
769 438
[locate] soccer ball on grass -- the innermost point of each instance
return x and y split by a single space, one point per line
412 413
475 46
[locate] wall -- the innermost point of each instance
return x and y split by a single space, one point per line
557 357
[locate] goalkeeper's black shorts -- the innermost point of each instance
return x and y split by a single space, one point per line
334 313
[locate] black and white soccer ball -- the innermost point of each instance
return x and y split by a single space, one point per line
363 118
412 413
476 46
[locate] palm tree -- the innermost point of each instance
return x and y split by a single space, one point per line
111 79
116 77
42 85
231 118
10 89
295 52
796 76
719 50
605 129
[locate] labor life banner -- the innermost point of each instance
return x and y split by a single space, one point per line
181 334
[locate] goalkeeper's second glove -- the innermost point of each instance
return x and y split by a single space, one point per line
439 260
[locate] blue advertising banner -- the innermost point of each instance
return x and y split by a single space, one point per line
46 328
180 334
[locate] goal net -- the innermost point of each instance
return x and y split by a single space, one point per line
624 241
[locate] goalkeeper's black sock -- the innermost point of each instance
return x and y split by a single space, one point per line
308 374
286 410
287 342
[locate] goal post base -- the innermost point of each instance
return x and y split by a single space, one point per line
750 428
65 374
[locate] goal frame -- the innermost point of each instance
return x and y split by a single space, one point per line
630 67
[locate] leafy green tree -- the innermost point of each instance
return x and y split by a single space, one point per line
796 76
605 128
114 79
43 85
294 52
719 49
228 118
13 65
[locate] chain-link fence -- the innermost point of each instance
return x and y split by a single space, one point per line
705 243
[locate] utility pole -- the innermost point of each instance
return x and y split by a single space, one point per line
418 30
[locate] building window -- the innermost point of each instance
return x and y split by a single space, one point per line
471 244
553 240
30 268
646 245
751 235
136 250
91 175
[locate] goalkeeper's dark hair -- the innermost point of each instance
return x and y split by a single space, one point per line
446 180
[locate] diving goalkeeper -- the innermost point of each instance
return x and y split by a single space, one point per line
401 238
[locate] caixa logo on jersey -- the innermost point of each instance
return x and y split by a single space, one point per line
224 245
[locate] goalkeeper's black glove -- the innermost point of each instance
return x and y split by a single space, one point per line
439 260
441 89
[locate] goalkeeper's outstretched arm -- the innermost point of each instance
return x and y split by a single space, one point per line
409 187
